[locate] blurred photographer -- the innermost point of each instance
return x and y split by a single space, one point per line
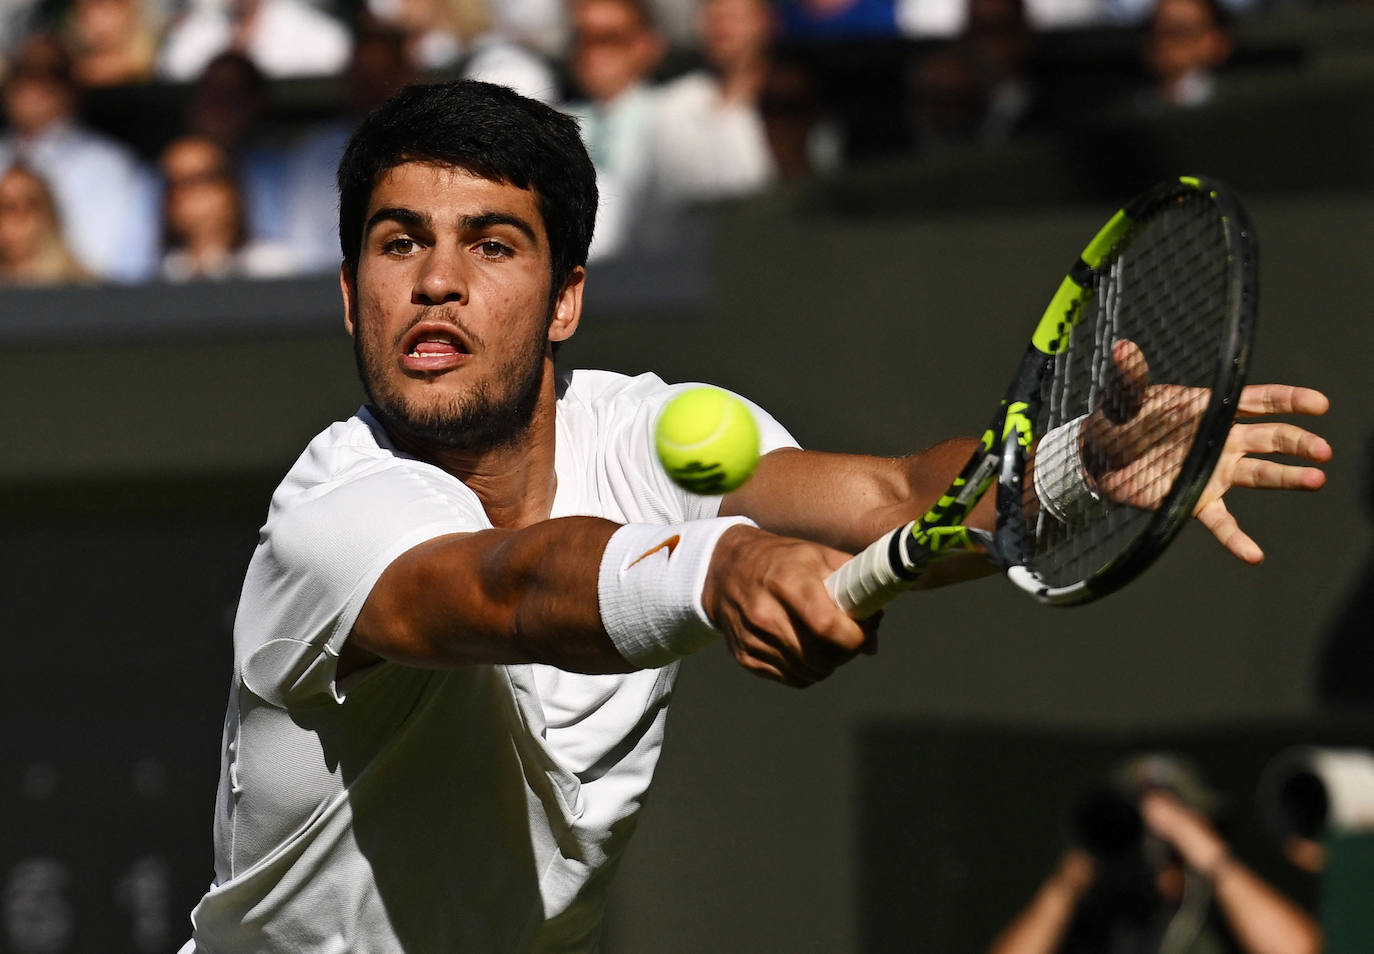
1318 804
1149 872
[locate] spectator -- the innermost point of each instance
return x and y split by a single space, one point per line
949 99
204 228
1186 43
1150 872
377 68
461 35
541 25
112 42
284 38
32 250
803 137
106 200
228 106
616 49
710 140
1002 43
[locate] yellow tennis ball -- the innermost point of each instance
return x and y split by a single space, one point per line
707 441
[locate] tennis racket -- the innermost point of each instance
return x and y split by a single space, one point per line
1122 404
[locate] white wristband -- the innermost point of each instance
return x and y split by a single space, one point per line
1061 483
650 585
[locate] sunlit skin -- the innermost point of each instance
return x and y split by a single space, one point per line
451 311
1135 461
454 316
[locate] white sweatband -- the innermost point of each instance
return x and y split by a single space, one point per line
650 585
1061 483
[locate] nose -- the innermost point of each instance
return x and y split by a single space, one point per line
442 278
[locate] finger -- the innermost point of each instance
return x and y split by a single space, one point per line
1271 475
1278 437
800 655
1216 518
1281 399
771 651
870 628
825 651
1127 383
772 674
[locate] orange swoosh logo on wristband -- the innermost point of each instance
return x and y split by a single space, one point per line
670 545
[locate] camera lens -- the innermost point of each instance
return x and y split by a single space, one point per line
1303 805
1108 825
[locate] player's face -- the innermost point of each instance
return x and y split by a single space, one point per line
450 307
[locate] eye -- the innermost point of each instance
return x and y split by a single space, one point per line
490 248
400 245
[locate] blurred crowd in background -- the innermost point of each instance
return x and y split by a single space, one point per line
682 102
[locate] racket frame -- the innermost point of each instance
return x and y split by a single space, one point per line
896 561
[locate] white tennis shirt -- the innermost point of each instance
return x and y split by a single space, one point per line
478 809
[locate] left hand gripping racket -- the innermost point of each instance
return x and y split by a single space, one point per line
1174 272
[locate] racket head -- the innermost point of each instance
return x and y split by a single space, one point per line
1175 273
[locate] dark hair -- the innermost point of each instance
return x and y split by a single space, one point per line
486 130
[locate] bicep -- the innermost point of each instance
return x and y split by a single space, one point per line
425 591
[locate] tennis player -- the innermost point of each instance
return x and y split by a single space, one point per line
460 630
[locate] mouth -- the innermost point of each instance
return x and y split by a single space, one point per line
432 346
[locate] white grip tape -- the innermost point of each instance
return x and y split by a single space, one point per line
869 581
649 588
1061 483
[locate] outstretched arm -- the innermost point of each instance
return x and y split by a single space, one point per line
847 501
535 595
1040 927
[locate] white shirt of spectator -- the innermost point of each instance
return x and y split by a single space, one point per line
706 148
290 38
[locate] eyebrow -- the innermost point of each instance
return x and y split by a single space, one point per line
482 220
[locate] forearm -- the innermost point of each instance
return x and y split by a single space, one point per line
1041 926
497 596
848 500
1262 919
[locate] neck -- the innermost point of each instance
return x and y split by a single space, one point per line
742 77
516 481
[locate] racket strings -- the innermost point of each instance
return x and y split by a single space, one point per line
1168 290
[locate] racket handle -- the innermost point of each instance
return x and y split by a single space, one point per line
874 577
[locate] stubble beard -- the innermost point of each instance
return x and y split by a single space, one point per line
477 421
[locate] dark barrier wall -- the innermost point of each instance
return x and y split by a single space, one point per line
138 459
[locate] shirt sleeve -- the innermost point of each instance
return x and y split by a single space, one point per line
318 559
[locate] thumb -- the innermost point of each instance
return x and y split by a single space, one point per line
1127 380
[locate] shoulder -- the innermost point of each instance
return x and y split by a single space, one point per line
587 387
355 457
266 258
351 503
689 89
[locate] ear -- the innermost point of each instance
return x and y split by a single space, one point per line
567 309
348 285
